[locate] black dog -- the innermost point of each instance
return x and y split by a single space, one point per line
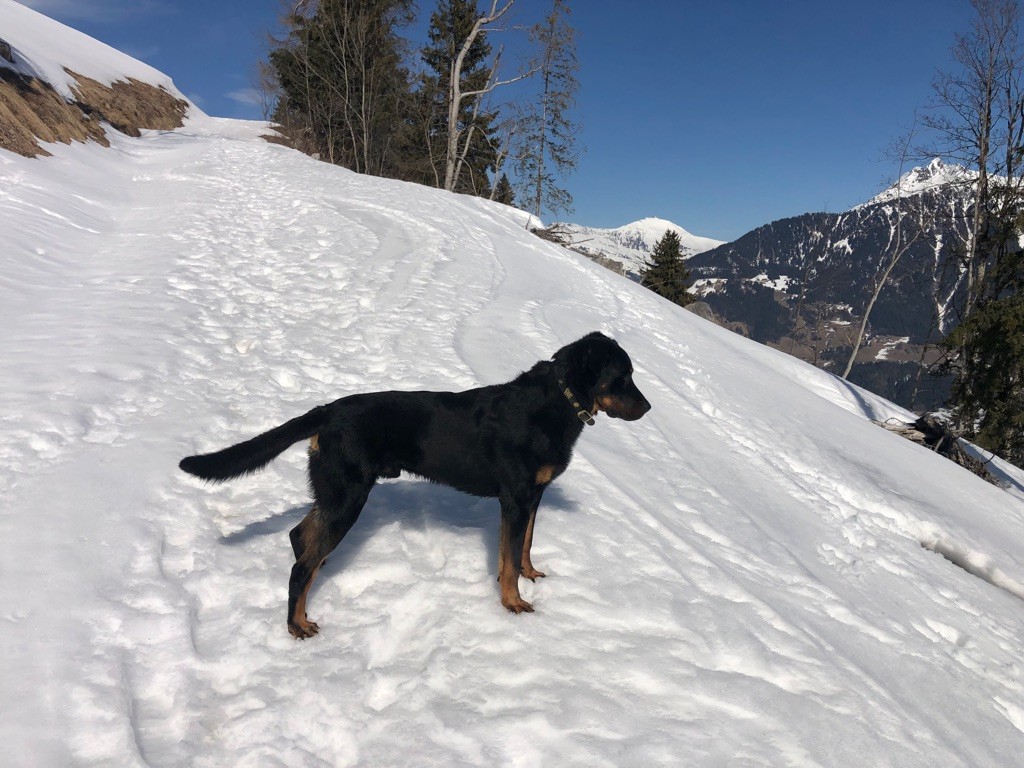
506 440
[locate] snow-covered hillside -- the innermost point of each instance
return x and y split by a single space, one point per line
631 244
753 574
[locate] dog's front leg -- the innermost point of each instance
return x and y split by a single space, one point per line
515 517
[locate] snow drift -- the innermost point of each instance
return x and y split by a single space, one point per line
753 574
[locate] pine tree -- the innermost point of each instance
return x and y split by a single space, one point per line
983 123
343 87
503 191
666 273
986 351
548 143
991 402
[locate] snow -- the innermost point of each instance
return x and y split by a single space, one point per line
753 574
631 244
889 345
844 245
923 179
780 283
653 229
43 48
707 285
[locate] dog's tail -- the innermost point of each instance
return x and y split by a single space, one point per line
253 455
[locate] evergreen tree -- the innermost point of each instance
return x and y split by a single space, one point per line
666 273
986 350
548 143
342 84
503 191
990 404
983 123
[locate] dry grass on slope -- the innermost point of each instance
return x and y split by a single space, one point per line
33 113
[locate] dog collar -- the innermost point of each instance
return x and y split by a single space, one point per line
584 415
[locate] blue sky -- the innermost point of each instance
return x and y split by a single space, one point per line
720 115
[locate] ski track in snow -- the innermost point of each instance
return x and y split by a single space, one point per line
718 593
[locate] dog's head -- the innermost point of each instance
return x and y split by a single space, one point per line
600 373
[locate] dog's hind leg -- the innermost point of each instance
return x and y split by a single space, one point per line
301 532
335 511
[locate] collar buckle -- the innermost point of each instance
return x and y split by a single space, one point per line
586 417
582 413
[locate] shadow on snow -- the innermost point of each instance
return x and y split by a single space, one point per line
411 502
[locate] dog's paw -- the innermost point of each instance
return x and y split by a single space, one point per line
518 606
531 573
300 630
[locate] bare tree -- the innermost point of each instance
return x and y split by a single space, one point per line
900 241
977 112
503 139
459 140
982 119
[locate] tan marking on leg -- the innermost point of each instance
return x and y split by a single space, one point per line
503 545
508 578
503 558
314 444
301 627
545 474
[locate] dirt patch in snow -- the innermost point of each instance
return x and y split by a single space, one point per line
32 112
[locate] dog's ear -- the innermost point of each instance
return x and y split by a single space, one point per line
582 362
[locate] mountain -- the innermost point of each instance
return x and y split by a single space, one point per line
752 574
801 284
630 245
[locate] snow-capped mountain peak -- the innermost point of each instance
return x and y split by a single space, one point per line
651 229
630 244
924 179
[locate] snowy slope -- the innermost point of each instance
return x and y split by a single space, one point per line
740 578
631 244
753 574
